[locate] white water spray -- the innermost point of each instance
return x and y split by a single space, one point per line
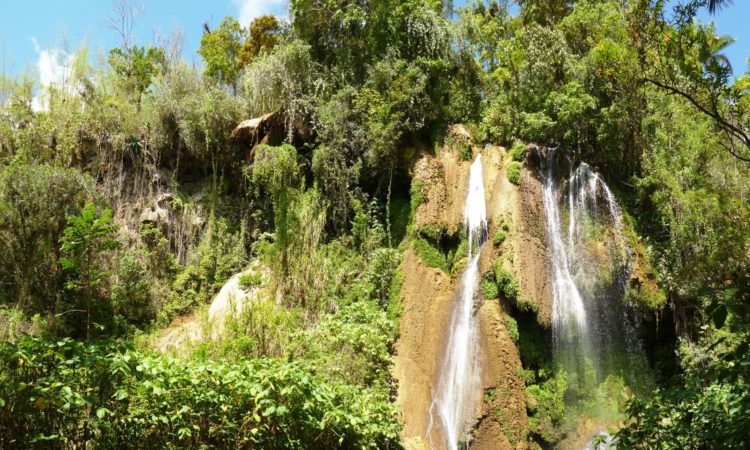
593 327
454 402
567 304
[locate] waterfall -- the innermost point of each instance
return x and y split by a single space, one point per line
590 267
454 402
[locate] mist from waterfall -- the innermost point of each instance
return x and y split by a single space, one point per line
455 400
590 259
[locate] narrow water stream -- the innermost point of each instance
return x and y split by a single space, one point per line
455 400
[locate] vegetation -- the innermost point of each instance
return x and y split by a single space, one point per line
513 172
129 196
250 280
67 393
518 151
498 238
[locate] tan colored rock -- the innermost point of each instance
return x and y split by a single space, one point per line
428 296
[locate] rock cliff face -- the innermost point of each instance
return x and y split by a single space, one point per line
428 295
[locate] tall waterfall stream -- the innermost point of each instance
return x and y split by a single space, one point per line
454 402
590 260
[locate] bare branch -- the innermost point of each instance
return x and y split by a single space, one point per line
122 19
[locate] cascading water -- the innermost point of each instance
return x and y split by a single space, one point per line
454 402
592 325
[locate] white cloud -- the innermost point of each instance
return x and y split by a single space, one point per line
55 67
250 9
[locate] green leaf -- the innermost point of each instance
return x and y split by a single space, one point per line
719 316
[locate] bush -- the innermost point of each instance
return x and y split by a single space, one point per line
68 394
517 151
513 172
131 294
250 280
546 405
498 238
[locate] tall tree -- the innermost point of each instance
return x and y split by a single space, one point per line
265 34
221 50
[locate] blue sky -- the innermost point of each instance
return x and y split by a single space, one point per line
37 34
34 32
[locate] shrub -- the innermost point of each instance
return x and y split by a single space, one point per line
546 405
513 172
466 153
131 294
127 398
250 280
517 151
499 238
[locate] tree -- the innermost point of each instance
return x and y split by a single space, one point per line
122 19
137 66
275 170
221 50
684 57
265 34
85 240
34 203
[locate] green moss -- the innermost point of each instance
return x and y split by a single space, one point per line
643 288
506 283
466 153
508 286
400 216
513 172
488 287
457 256
499 238
505 227
430 254
432 232
416 193
517 151
395 307
512 326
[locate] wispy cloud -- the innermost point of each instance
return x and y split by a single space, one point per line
55 67
250 9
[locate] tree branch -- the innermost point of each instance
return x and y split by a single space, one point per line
723 123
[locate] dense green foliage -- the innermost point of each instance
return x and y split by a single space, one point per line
67 394
128 199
